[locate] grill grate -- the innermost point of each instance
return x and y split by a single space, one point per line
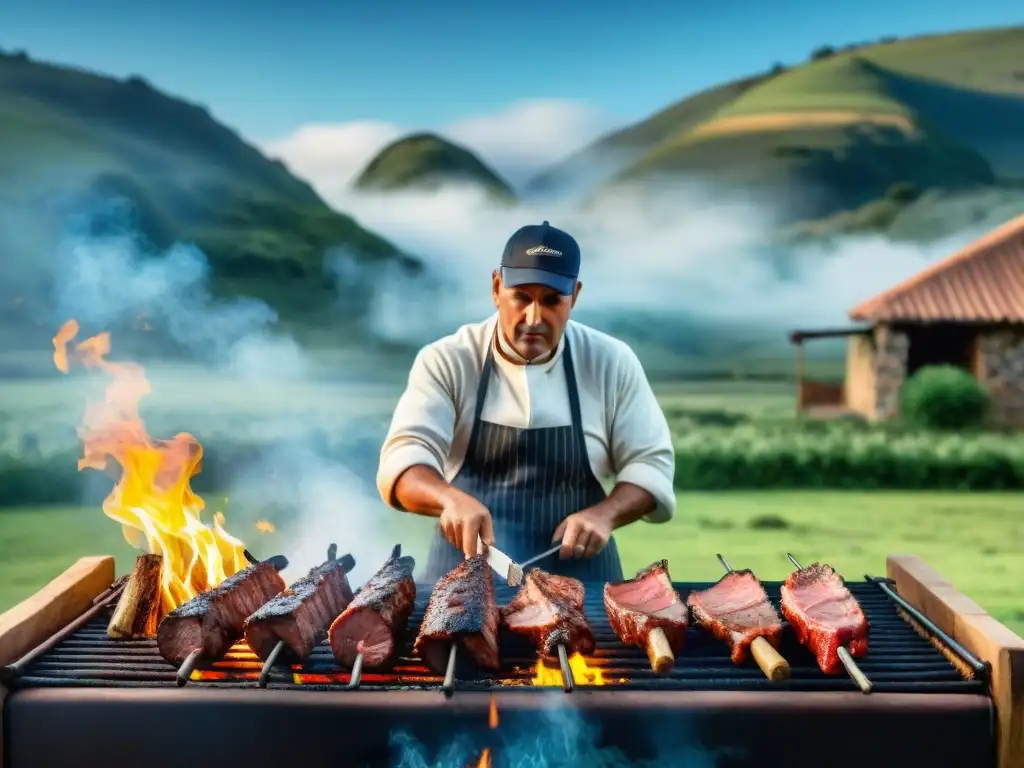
899 660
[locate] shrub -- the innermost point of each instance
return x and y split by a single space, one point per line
944 397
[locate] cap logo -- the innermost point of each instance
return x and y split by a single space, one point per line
538 250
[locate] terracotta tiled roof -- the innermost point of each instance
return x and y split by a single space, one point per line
984 283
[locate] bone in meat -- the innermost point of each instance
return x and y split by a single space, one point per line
646 611
300 615
462 609
549 610
213 621
736 610
371 623
824 615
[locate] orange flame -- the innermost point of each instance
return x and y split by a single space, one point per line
549 674
485 759
265 526
492 715
153 497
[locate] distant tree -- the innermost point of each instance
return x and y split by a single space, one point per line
822 52
903 192
778 68
138 81
20 56
887 39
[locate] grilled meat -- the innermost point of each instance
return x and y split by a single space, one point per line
301 614
736 610
549 610
646 602
372 621
213 621
461 609
824 615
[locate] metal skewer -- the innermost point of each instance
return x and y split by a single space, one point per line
357 672
563 661
188 666
852 669
771 662
448 686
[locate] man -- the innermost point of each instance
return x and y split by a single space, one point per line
507 427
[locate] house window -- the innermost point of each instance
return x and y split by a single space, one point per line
941 344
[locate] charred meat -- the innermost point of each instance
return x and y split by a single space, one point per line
300 615
462 609
549 610
736 610
213 621
824 615
371 623
644 603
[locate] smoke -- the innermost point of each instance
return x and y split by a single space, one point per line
251 400
563 738
680 252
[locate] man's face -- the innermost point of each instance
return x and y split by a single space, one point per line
533 317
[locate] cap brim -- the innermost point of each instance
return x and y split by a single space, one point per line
515 276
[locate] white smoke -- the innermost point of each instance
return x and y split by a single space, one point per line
680 253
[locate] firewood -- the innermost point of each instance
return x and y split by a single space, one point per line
139 611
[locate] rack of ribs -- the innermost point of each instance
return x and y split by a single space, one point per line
736 610
646 611
462 613
366 632
205 628
825 617
297 618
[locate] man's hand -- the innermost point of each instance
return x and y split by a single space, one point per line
463 519
584 533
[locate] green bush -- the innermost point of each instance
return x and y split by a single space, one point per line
839 456
944 397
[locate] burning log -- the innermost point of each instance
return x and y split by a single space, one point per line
138 612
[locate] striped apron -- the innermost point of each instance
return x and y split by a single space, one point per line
530 480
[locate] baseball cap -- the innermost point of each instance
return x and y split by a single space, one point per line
540 253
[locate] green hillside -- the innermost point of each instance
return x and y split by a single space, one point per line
838 132
73 139
426 161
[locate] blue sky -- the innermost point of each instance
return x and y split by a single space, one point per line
267 66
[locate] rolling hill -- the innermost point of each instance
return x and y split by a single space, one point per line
838 132
74 139
426 161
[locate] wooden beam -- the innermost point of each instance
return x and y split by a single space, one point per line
968 623
42 615
799 376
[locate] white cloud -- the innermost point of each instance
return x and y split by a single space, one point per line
517 141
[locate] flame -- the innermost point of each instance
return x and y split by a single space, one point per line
492 715
485 759
153 497
582 673
265 526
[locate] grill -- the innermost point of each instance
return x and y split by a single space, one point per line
900 661
930 702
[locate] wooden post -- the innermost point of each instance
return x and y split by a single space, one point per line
967 623
49 610
799 375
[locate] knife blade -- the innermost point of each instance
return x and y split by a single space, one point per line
502 564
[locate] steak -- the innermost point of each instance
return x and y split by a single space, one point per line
301 614
213 621
736 610
372 621
462 609
646 602
549 610
824 615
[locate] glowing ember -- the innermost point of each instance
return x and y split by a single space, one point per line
153 497
550 673
265 526
492 716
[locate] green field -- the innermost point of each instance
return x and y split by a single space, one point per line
974 540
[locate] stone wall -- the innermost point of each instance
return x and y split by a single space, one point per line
891 349
1001 369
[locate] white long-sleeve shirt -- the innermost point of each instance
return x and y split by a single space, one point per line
627 436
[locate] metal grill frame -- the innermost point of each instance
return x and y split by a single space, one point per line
899 659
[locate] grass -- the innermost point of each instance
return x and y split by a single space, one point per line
974 540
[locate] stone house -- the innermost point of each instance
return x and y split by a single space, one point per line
966 310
